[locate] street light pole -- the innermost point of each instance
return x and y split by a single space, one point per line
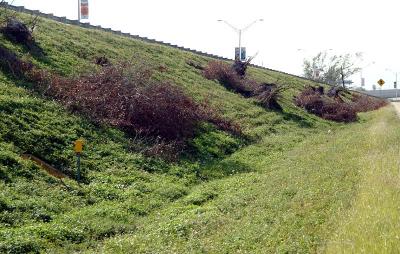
79 10
240 31
394 72
240 45
396 85
362 69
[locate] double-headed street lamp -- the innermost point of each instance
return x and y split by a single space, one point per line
240 31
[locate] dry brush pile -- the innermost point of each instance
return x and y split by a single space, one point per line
234 78
333 106
123 95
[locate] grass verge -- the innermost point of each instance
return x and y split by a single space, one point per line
292 203
372 224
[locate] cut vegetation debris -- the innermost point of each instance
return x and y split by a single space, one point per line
332 106
234 78
285 187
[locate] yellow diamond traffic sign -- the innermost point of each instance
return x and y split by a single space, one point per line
381 82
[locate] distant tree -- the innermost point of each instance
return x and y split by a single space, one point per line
333 70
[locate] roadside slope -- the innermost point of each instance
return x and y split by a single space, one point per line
121 185
293 202
280 191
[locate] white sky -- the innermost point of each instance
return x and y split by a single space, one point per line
346 26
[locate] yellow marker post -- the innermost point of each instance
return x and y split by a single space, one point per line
78 148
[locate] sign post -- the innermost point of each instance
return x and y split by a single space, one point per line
83 9
240 54
380 82
78 148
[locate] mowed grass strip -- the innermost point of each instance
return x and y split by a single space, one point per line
372 225
292 203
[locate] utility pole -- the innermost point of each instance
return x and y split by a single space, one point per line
240 31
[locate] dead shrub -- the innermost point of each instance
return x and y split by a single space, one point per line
339 112
310 101
336 91
17 31
11 63
241 67
102 61
126 97
233 78
325 107
320 90
226 76
364 103
268 95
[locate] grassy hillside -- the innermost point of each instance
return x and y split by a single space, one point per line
282 189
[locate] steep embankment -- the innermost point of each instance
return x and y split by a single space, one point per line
279 190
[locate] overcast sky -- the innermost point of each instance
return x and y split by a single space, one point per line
345 26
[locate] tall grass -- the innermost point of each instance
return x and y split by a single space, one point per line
372 225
